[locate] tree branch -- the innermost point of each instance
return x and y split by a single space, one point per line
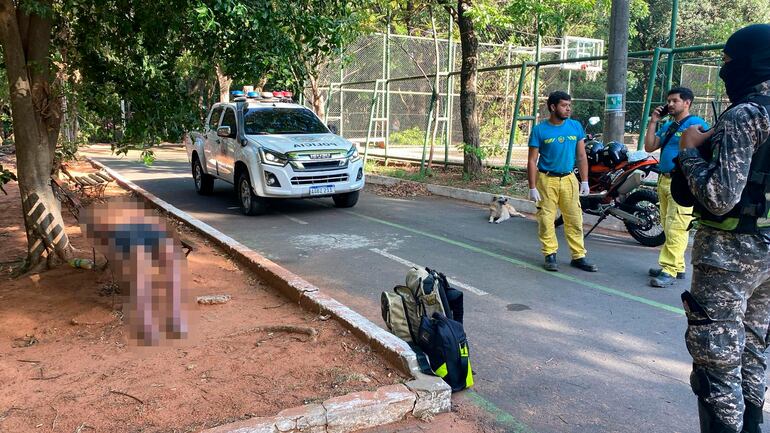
416 63
450 10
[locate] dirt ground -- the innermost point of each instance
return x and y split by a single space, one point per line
66 364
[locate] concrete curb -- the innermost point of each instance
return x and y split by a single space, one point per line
484 198
423 396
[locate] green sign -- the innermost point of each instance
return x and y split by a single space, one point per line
614 102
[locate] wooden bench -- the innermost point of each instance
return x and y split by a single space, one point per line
95 183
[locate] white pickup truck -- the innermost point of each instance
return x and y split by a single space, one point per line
272 148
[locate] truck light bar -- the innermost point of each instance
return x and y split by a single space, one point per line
251 95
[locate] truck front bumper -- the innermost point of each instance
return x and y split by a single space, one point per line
298 184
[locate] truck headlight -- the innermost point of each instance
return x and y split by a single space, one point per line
353 155
272 158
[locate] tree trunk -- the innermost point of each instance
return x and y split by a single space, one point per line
409 8
468 114
260 86
224 85
36 115
316 97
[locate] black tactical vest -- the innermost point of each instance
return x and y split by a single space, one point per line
752 213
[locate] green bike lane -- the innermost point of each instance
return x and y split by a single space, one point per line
564 352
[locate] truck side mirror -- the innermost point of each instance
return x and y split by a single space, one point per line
333 129
224 131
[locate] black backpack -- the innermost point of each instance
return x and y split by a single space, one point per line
428 313
444 342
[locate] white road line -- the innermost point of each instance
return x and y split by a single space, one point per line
405 262
296 220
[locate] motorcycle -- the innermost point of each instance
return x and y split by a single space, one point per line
615 179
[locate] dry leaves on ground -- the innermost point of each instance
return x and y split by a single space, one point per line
401 190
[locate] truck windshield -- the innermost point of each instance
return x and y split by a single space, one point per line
258 121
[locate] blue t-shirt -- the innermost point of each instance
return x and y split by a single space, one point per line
669 152
556 144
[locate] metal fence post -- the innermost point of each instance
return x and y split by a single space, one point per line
342 95
387 90
672 43
536 85
514 122
371 117
449 91
328 102
648 98
429 122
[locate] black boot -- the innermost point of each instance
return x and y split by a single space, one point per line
752 418
709 423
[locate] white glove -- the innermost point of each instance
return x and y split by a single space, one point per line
584 188
534 195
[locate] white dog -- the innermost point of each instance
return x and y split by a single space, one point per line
500 210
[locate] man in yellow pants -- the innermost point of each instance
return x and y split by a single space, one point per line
554 146
675 219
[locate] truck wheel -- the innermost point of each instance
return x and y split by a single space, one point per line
251 204
204 183
348 199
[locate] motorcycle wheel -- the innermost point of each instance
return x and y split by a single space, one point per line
645 204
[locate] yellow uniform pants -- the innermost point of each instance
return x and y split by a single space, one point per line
559 193
675 220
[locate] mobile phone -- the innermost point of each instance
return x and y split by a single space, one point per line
663 110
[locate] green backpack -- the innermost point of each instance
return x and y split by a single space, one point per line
423 295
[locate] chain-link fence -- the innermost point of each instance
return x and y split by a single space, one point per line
379 93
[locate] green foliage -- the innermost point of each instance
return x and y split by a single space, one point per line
5 177
65 151
467 149
317 31
224 33
408 137
131 57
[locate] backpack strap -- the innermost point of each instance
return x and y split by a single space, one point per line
672 130
442 286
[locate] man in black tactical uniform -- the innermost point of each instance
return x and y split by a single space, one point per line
728 305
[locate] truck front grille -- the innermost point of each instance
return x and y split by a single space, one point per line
312 180
303 163
323 165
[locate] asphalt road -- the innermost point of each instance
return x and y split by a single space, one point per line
553 352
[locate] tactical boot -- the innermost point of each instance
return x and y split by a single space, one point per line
550 263
655 272
662 280
752 418
709 423
584 265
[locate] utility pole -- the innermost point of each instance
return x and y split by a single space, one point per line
617 68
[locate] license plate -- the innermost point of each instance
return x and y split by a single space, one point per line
320 155
322 190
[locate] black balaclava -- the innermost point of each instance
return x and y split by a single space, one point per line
749 51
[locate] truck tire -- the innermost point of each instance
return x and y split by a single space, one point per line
251 204
204 183
348 199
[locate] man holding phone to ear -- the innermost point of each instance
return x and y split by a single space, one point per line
675 219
